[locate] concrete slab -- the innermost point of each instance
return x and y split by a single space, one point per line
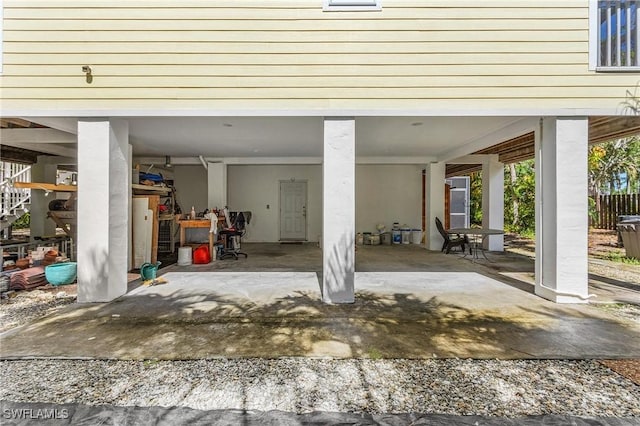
410 303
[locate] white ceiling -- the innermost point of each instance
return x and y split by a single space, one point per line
296 136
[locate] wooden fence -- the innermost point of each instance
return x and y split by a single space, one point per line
609 207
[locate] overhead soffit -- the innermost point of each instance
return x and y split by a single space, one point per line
601 129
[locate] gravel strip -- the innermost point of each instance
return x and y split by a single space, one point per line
302 385
625 311
629 274
29 305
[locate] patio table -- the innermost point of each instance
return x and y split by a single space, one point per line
477 236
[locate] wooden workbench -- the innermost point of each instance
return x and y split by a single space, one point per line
196 223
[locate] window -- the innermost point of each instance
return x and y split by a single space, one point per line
614 35
351 5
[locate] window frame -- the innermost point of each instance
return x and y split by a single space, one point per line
351 5
594 43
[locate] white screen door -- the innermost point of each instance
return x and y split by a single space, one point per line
293 210
459 207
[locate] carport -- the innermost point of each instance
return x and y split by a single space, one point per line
339 159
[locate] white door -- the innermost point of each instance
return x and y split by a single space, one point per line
293 211
459 206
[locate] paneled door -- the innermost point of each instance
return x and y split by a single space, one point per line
293 210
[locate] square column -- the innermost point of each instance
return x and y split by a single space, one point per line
561 210
493 201
217 186
44 171
103 208
434 200
338 210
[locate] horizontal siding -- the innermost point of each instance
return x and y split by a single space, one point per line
304 10
239 54
418 47
187 59
321 81
542 92
306 25
287 71
312 38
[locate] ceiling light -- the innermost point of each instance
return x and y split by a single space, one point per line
167 161
227 124
417 123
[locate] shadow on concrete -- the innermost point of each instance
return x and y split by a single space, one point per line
187 325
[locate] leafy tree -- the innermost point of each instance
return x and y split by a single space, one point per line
614 167
519 197
475 208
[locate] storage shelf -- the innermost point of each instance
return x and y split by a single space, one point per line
166 226
153 189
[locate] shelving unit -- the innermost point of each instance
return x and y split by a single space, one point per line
166 225
65 219
168 228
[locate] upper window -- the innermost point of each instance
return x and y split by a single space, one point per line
351 5
615 24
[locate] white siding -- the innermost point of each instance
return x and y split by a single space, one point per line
265 55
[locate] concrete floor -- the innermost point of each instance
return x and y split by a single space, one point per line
410 303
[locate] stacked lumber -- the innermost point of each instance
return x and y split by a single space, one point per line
28 279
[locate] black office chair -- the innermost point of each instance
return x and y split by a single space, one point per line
449 241
233 236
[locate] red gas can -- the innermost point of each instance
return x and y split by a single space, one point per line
201 255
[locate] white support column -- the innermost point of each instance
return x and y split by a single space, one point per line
217 185
103 208
44 171
493 201
130 260
434 200
561 210
338 206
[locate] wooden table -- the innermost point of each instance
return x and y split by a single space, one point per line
196 223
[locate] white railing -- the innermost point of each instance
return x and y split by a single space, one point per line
14 200
618 35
